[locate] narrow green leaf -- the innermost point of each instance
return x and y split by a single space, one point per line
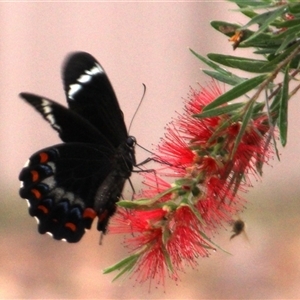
266 51
294 8
132 204
219 111
122 263
245 64
185 181
210 241
264 20
165 234
167 258
247 11
262 40
272 118
295 63
274 107
194 211
230 79
210 63
248 4
283 109
289 23
126 269
258 107
295 30
279 58
288 40
275 146
261 19
227 123
145 203
225 27
237 91
245 121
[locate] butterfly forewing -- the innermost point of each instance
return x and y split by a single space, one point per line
70 126
68 185
91 95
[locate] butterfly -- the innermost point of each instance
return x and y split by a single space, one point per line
70 184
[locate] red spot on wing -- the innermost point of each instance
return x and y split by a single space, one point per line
89 213
35 176
44 157
37 194
71 226
43 208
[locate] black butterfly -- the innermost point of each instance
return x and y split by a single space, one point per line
68 185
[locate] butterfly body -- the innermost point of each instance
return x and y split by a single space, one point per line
68 185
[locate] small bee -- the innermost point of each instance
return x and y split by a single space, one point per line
238 227
237 38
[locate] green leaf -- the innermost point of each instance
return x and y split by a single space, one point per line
289 23
166 234
210 63
167 258
247 11
274 107
266 50
237 91
272 118
220 74
135 204
295 30
145 203
245 64
224 27
294 8
230 79
223 126
194 211
258 107
262 40
264 20
295 63
283 109
247 4
210 241
279 58
245 122
288 40
219 111
126 264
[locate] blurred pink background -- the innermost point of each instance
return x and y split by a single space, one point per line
137 42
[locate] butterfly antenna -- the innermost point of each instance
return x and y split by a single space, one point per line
137 107
145 149
156 158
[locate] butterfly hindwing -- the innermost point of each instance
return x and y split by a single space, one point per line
60 184
68 185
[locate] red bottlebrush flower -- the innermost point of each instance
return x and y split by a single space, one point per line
169 225
185 243
164 239
135 221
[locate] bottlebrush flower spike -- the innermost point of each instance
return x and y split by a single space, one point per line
170 225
